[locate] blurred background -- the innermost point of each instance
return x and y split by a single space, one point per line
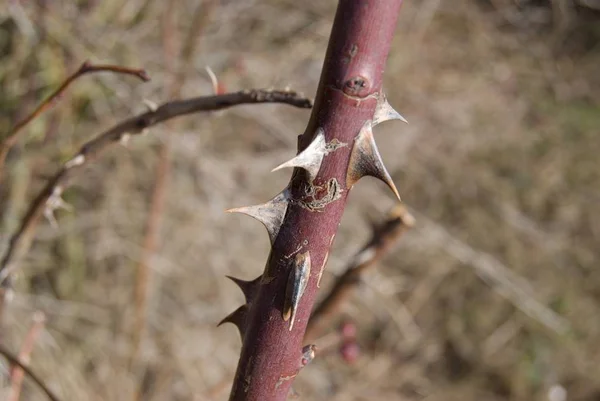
493 295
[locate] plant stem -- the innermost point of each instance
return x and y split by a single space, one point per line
348 97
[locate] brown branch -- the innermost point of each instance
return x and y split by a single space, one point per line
17 372
11 358
10 138
49 197
383 239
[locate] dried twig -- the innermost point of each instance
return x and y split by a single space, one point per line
49 198
17 372
86 68
493 272
383 239
11 358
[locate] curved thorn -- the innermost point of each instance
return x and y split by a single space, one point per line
249 288
238 318
152 106
384 112
213 79
270 214
310 158
365 160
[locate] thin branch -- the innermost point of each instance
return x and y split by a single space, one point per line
15 361
86 68
498 276
382 241
49 198
17 372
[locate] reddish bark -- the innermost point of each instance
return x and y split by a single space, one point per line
349 91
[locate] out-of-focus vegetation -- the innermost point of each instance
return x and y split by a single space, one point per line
494 295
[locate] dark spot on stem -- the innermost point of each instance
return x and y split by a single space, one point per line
357 86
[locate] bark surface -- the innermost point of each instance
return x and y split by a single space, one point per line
348 97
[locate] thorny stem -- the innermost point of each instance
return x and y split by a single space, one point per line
347 99
383 239
8 141
49 196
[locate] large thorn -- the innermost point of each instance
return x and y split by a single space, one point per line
238 318
365 160
310 158
249 288
384 112
271 214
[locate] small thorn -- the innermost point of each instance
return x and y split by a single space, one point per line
365 160
384 112
53 203
249 288
238 318
213 79
152 106
76 161
270 214
310 158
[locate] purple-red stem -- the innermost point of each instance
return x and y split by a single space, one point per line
347 96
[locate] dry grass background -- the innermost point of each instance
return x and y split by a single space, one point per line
494 295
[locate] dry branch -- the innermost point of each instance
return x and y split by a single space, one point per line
49 198
11 358
8 141
384 237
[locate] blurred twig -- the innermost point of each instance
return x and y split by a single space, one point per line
10 138
17 372
498 276
176 79
49 198
384 237
157 202
10 357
